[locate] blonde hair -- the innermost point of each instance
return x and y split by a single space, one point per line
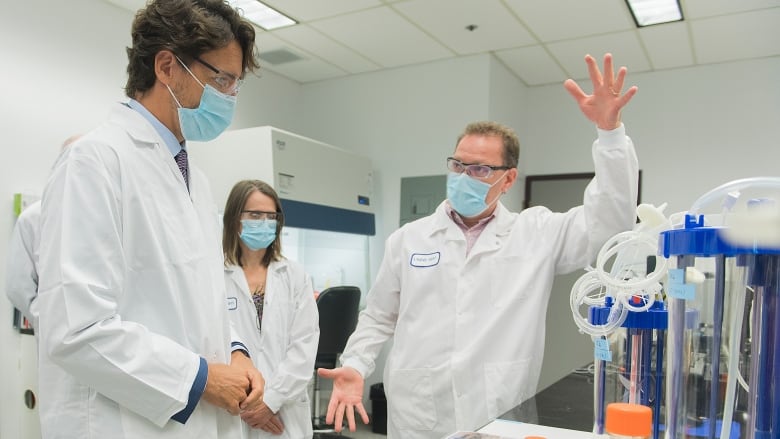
511 153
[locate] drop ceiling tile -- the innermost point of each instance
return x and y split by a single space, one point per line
624 47
737 36
446 20
308 70
307 10
693 9
130 5
314 42
533 65
553 20
668 45
267 42
383 36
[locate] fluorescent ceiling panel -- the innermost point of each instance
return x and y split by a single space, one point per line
649 12
262 15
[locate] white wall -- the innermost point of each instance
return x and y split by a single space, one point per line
406 120
694 128
63 67
508 106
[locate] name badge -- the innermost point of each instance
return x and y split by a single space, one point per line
425 259
232 303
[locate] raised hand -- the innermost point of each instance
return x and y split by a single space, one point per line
347 396
604 105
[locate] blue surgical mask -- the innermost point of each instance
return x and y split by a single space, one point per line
467 195
211 118
258 234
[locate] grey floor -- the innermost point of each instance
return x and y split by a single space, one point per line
362 432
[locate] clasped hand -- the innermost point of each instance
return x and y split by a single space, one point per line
236 387
263 418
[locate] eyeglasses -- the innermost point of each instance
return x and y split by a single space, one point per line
477 171
227 82
260 215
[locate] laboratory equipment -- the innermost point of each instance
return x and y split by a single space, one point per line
628 421
627 319
726 266
326 194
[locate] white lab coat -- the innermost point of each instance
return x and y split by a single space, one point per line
285 349
21 274
131 290
468 330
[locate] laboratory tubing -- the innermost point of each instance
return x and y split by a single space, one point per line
627 318
723 378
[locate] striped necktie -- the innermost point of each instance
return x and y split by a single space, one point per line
181 160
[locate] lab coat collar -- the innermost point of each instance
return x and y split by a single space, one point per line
276 266
491 238
443 223
236 274
144 134
134 123
499 226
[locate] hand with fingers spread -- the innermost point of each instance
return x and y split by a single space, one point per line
347 397
604 105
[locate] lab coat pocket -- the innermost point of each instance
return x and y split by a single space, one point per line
415 388
505 384
296 417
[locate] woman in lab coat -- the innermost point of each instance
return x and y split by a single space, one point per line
271 303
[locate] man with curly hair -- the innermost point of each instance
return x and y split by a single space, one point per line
134 334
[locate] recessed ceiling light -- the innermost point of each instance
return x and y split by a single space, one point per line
262 15
649 12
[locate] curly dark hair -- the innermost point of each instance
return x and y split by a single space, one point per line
188 28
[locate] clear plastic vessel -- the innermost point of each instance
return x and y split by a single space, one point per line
723 381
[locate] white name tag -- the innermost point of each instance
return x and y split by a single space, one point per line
425 259
232 303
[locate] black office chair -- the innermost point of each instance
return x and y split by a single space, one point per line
338 308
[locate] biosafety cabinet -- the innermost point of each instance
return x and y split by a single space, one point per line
326 195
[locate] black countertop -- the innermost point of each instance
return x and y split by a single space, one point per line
567 403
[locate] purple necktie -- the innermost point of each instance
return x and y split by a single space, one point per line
181 160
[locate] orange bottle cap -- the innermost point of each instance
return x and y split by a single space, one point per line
535 437
629 419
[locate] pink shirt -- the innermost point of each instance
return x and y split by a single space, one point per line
471 233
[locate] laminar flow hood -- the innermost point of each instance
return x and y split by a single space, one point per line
322 187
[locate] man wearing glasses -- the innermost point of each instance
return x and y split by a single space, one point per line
135 337
463 292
